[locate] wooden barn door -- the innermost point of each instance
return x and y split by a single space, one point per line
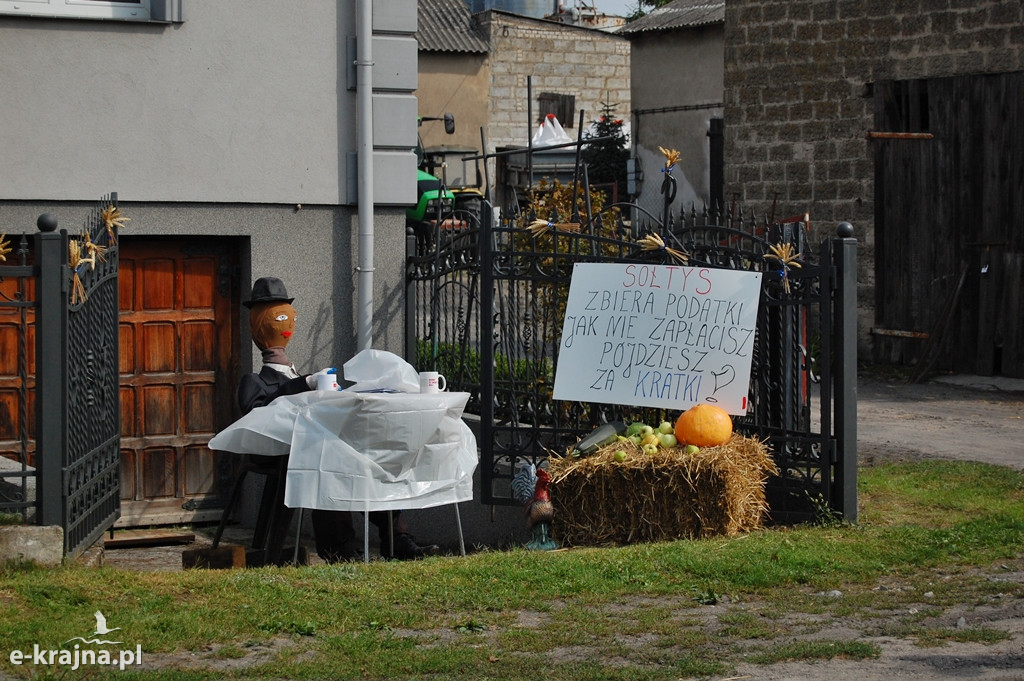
949 206
178 326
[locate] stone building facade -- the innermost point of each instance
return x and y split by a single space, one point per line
569 68
590 66
677 65
799 107
258 176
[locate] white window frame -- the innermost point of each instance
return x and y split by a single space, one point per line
139 10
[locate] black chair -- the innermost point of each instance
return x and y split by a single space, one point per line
273 519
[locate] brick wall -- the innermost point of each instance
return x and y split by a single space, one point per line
591 65
798 105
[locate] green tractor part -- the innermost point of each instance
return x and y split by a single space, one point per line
443 204
462 177
431 199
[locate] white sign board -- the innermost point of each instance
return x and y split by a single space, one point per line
658 336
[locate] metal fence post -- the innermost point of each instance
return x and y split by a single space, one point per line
411 302
488 244
845 315
51 249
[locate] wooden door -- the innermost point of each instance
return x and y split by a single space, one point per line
949 203
17 389
178 326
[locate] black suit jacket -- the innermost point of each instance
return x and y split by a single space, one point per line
258 390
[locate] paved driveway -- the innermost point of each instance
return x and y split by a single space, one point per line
955 417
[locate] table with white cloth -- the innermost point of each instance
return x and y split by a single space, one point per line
363 451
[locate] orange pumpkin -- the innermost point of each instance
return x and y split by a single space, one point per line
704 425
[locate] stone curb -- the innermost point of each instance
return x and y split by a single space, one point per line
42 544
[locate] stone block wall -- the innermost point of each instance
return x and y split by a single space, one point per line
592 65
798 104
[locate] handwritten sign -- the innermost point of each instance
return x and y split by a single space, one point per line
658 336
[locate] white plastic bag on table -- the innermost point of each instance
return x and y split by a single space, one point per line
381 370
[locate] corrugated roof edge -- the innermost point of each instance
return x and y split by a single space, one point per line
678 14
447 26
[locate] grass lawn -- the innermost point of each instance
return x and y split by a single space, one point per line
931 536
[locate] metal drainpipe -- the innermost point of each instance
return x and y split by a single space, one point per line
364 133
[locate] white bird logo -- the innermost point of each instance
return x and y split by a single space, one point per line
101 630
101 625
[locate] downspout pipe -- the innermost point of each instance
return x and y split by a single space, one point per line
364 133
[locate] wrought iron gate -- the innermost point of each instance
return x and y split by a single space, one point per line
486 305
92 456
77 428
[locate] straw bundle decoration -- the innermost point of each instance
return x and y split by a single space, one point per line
658 497
75 260
787 256
113 218
95 251
539 228
653 242
671 158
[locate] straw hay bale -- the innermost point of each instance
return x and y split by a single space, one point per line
663 496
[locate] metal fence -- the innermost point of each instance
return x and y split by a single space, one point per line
485 305
63 454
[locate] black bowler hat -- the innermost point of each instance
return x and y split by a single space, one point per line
268 290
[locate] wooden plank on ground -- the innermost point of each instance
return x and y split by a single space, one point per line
148 537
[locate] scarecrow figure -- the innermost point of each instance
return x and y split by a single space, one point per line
272 323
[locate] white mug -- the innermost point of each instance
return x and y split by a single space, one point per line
432 382
327 382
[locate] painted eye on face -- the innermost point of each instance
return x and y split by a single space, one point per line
281 317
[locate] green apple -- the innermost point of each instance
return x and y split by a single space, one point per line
666 427
650 449
620 456
691 449
667 440
634 429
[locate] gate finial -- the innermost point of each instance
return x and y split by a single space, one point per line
47 222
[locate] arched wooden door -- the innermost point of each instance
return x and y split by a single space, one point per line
178 326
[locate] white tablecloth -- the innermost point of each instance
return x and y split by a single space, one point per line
363 451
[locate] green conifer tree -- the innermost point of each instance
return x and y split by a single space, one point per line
606 160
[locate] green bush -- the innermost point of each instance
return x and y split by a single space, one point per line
462 365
